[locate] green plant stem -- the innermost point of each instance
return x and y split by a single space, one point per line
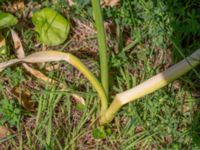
48 56
156 82
102 44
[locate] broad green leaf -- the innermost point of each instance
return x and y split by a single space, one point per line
7 20
51 27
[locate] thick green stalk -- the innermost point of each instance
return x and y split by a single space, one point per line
48 56
102 44
158 81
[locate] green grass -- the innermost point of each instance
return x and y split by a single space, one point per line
166 119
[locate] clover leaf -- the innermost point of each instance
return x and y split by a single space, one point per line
51 27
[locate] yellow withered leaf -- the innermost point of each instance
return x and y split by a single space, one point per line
49 56
19 51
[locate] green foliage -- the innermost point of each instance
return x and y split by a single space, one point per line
2 50
1 1
7 20
195 130
10 112
146 20
80 107
51 27
185 24
99 133
15 76
159 121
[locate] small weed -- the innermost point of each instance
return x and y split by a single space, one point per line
10 112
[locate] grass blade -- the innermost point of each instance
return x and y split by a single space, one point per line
102 44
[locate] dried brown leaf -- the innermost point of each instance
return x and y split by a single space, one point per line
4 131
52 67
24 98
8 63
138 129
78 99
16 6
111 3
70 2
18 48
2 44
2 40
